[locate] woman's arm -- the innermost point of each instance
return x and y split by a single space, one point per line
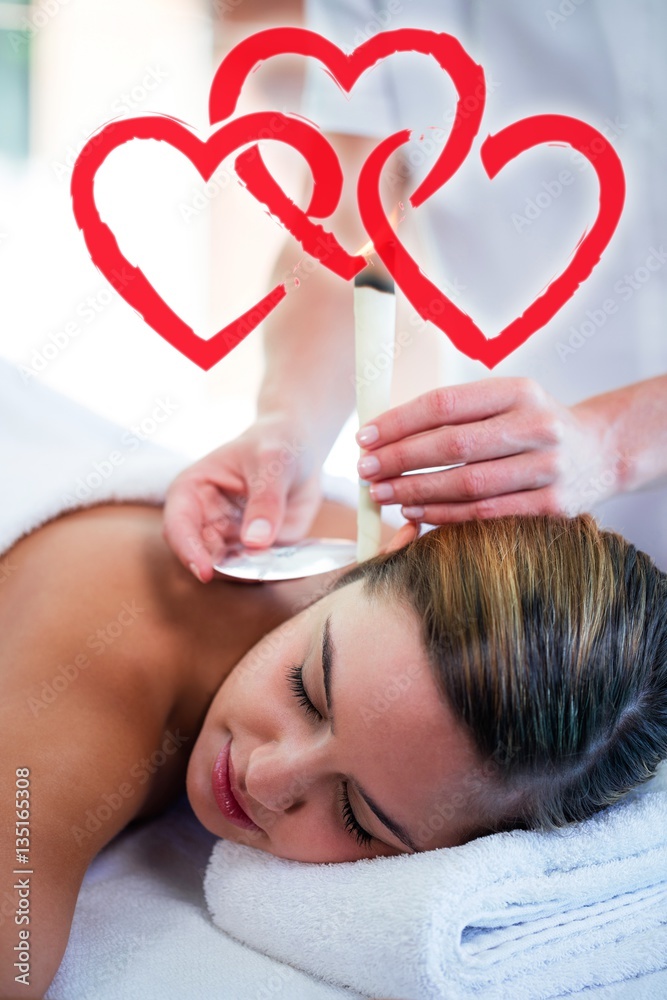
633 422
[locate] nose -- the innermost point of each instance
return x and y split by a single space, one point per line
280 773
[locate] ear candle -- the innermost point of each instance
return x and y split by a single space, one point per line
374 332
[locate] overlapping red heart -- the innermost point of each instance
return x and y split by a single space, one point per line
432 304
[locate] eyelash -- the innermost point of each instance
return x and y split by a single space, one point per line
352 826
296 684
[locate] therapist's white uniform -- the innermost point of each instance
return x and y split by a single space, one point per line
493 246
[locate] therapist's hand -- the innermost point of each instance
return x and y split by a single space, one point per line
523 453
265 475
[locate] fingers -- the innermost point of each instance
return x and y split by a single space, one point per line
241 490
496 437
476 481
493 438
181 529
458 404
507 443
541 501
303 503
198 522
268 487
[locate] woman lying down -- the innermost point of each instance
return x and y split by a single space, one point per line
529 655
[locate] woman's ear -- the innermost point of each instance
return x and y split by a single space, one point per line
406 533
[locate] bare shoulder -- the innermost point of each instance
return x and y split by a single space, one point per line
84 585
83 554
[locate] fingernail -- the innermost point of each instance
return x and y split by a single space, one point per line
368 434
194 569
382 491
368 466
258 530
412 511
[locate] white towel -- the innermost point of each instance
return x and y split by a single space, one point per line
519 915
57 455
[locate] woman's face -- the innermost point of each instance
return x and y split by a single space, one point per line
370 769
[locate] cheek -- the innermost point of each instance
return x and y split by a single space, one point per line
257 688
309 836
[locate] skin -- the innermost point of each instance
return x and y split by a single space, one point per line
107 738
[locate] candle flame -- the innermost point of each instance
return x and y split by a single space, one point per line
368 250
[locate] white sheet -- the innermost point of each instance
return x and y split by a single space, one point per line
142 931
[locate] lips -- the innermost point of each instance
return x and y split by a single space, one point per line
223 783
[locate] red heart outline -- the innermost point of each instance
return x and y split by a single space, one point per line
466 75
496 151
131 282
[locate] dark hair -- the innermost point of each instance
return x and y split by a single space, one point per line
548 638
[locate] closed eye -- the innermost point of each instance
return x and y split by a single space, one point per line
296 684
352 825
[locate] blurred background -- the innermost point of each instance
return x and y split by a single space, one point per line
66 68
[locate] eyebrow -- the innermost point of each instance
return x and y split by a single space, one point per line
328 652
